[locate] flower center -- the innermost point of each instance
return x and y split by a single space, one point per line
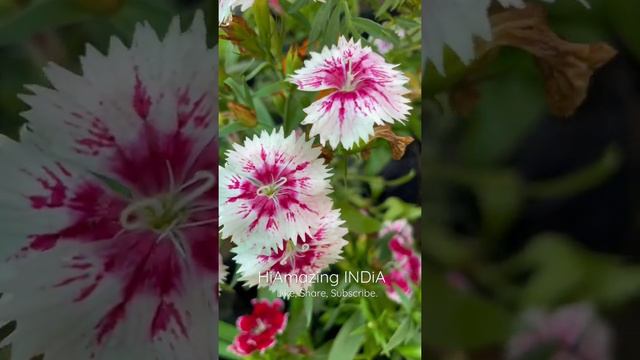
350 81
166 213
261 326
271 190
291 251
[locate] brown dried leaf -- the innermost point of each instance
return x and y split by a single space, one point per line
243 114
567 67
398 143
242 35
327 154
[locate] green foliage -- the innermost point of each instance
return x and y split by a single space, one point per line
254 73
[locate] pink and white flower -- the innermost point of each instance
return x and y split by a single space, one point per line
259 329
366 91
400 230
405 275
109 206
292 269
226 7
272 189
406 271
573 332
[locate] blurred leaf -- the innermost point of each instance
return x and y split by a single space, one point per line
269 89
224 352
624 15
308 309
375 30
510 105
398 209
265 293
399 336
264 117
459 320
346 344
244 37
387 5
357 221
39 16
500 198
296 331
320 20
230 129
581 180
411 352
378 159
227 331
445 246
262 16
334 25
293 114
563 271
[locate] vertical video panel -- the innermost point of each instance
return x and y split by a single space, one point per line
530 170
108 180
320 132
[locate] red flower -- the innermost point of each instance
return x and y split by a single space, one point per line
259 329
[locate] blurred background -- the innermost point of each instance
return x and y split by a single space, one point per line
525 210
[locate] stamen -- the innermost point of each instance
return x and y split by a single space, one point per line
172 180
130 220
209 180
197 223
178 245
270 189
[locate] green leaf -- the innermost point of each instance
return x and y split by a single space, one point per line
224 352
395 208
386 5
357 221
492 135
296 331
227 331
265 293
37 17
563 271
375 30
270 89
262 113
624 15
333 28
500 197
308 309
346 344
297 5
320 20
293 114
230 129
412 352
263 21
402 333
